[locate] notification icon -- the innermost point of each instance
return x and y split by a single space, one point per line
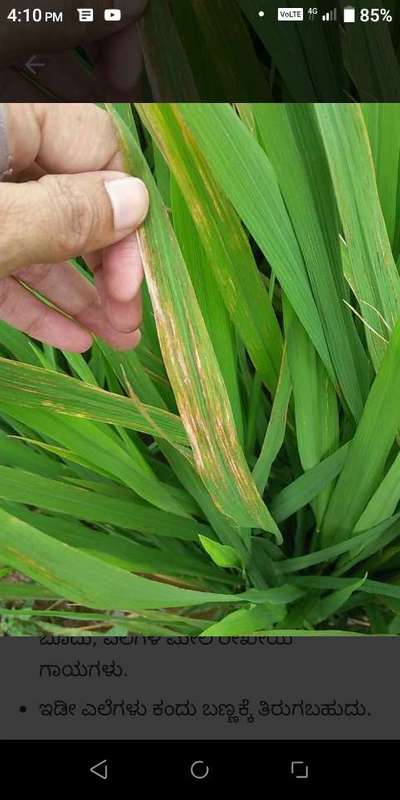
113 15
86 14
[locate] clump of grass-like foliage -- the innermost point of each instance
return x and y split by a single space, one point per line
239 473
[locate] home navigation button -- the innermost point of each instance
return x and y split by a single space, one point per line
199 770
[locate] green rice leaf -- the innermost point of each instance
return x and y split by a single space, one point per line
253 189
276 428
246 622
91 582
370 447
34 490
293 142
316 412
222 554
333 602
368 248
383 125
307 486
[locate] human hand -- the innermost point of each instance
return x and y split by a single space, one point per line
113 48
69 197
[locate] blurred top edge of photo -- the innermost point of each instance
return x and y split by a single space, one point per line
199 50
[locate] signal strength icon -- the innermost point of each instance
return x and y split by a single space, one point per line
330 16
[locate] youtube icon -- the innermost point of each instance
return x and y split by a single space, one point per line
113 15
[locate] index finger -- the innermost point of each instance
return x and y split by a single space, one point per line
64 138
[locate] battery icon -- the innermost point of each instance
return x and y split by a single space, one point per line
349 14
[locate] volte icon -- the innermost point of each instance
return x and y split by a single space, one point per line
290 14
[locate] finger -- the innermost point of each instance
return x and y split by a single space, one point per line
24 311
93 318
118 274
120 64
122 270
62 137
62 284
33 173
71 292
60 217
124 317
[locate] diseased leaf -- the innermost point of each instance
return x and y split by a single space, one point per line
191 363
225 244
37 388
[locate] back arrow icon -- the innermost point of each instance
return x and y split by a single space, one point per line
34 66
100 769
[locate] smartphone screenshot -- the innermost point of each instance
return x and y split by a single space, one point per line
199 394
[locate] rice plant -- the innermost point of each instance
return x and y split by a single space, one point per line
239 473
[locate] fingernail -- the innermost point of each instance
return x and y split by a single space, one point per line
130 201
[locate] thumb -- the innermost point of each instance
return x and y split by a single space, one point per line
64 216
